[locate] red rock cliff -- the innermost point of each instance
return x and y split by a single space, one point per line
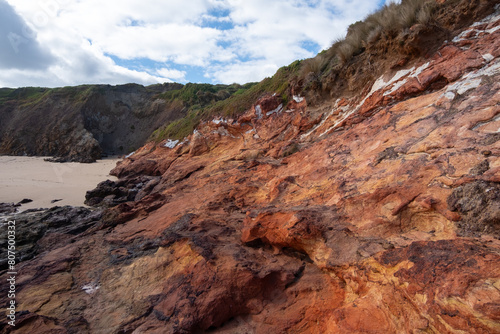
377 213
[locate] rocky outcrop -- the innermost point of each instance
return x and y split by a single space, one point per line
38 230
373 213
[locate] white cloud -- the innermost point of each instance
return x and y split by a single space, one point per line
229 40
270 34
19 47
252 71
388 2
175 75
184 44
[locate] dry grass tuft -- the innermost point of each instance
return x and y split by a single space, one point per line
314 65
391 20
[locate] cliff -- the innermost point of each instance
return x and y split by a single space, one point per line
377 211
85 122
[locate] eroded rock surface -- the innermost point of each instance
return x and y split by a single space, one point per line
376 213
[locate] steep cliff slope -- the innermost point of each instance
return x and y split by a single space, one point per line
79 123
375 212
82 123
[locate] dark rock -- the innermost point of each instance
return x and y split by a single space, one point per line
34 210
147 188
480 169
94 201
33 226
479 204
387 154
110 193
131 194
104 189
8 207
25 201
56 159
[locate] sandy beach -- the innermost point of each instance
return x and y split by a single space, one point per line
43 182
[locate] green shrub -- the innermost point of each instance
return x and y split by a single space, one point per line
241 98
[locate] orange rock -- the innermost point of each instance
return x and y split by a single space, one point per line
374 214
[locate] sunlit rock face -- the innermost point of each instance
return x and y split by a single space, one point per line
375 213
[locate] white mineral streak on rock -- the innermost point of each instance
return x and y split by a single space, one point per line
277 110
449 95
472 80
395 87
490 19
298 99
469 81
488 57
91 288
492 30
258 110
171 143
483 124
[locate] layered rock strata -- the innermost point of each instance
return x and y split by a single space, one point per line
377 213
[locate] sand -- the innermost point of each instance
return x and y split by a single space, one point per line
41 181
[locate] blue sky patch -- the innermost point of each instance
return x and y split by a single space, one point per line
208 41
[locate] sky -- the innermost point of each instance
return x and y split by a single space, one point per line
55 43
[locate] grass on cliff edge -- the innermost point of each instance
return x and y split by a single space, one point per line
238 99
31 96
204 101
27 96
25 93
390 21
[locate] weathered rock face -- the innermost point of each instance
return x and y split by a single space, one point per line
377 213
82 123
38 230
